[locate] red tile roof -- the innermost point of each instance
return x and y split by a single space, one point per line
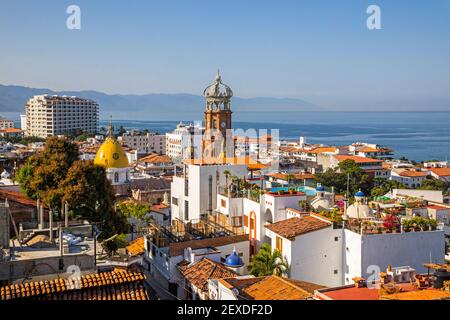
441 172
357 159
199 273
271 288
115 285
294 227
410 173
18 197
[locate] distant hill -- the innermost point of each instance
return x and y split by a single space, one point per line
13 99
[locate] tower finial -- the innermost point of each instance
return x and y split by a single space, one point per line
218 77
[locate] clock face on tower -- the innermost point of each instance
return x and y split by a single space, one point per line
224 124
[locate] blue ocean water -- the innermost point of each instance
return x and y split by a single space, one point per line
414 135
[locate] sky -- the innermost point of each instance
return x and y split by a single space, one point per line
320 51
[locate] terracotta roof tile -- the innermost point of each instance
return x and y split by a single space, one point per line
357 159
441 172
293 227
410 173
271 288
199 273
136 247
115 285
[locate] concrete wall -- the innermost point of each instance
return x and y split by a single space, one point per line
317 257
14 270
402 249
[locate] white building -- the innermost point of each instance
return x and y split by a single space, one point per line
6 124
180 142
144 142
317 252
410 178
23 122
58 115
194 193
162 259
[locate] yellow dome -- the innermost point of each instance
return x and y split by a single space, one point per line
111 155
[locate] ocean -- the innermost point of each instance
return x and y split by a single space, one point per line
414 135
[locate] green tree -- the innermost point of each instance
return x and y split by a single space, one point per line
89 193
41 175
349 171
433 184
268 262
135 210
383 186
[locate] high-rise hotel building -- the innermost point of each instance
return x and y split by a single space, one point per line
59 115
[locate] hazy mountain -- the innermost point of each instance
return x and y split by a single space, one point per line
13 99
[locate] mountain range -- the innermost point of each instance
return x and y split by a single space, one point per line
154 105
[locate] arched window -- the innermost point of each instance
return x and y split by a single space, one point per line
116 177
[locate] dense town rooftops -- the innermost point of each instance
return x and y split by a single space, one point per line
294 227
271 288
200 272
357 159
115 285
177 248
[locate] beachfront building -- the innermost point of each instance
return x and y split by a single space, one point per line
6 124
373 167
59 115
370 150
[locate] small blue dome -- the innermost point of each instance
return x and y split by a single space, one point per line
320 188
360 194
234 261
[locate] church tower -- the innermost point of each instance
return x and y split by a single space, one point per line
218 140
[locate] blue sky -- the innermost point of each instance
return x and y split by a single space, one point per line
320 51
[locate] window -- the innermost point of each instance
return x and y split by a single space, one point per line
335 272
336 239
279 244
116 177
246 221
175 201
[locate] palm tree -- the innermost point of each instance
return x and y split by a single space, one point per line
268 262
